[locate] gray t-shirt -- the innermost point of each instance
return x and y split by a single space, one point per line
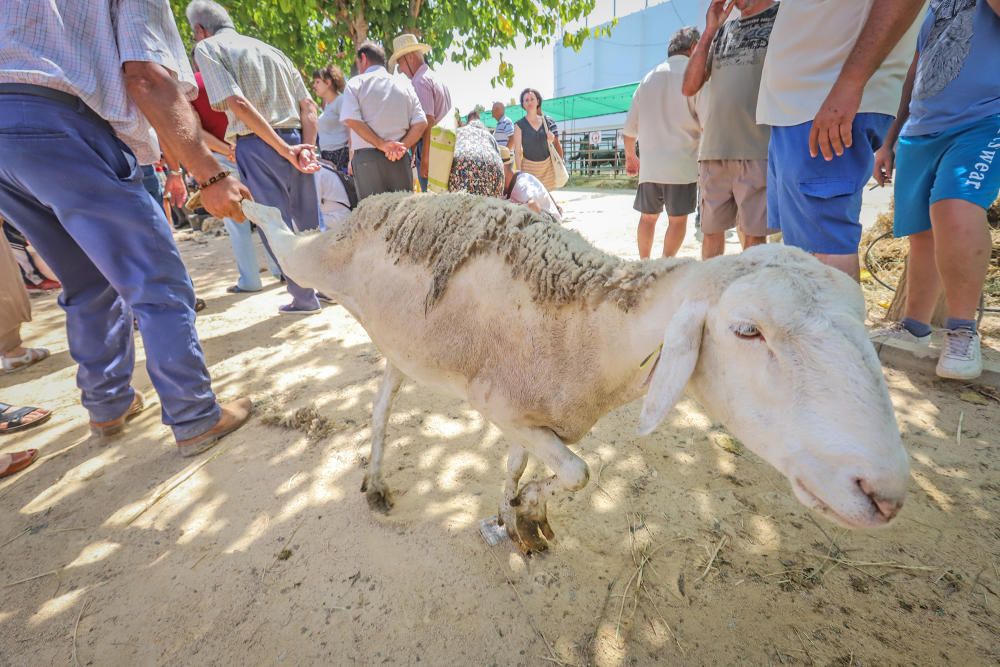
735 63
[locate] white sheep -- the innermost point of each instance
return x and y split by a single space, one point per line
543 334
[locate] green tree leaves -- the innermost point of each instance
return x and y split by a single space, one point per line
316 32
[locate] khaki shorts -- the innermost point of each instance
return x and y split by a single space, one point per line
733 194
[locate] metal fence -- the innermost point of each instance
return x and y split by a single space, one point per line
595 153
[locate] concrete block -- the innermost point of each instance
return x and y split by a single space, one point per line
921 359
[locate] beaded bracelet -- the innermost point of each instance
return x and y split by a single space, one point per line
212 181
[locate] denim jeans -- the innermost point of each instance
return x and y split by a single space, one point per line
75 191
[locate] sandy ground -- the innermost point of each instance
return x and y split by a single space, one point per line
685 549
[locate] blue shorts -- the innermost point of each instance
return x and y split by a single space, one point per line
815 204
962 163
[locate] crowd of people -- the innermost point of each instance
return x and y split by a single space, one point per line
775 118
772 120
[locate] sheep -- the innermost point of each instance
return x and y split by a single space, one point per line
543 334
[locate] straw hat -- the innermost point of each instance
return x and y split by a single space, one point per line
403 44
505 155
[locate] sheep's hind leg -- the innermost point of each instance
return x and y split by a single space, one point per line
373 486
524 512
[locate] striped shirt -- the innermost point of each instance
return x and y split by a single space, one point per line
79 48
434 97
234 64
504 130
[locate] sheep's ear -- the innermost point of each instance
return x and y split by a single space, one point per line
678 357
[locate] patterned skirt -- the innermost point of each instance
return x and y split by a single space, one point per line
338 157
543 171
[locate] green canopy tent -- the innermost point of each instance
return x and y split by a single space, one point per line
573 107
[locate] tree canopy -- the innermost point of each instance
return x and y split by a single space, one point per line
316 32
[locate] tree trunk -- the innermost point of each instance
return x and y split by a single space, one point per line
897 308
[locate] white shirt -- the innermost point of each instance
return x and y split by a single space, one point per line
387 104
809 44
79 48
334 204
332 133
529 190
665 122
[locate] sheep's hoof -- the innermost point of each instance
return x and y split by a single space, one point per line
377 494
529 533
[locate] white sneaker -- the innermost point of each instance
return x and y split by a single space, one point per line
897 332
961 358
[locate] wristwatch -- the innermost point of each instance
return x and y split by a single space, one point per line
175 172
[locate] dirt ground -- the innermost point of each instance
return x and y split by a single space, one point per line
685 549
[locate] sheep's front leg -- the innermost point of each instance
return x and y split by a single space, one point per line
374 488
524 512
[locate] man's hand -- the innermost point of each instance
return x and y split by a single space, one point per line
831 129
885 159
717 14
632 165
222 199
394 150
176 189
303 157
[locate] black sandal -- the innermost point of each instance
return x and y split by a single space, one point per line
12 418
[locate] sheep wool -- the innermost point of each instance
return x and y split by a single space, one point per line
443 231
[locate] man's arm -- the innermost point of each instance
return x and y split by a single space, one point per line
698 71
886 24
885 157
249 116
310 120
995 4
215 144
158 96
425 163
631 159
414 134
360 128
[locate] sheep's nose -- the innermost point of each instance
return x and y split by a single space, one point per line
887 507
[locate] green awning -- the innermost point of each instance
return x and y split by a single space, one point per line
574 107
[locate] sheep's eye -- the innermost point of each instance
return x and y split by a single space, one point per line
747 331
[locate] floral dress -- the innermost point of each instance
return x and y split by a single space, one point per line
476 167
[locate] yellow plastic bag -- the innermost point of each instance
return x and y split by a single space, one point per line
441 154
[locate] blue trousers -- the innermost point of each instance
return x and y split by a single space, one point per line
273 181
75 191
241 239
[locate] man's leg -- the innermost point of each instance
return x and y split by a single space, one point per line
923 282
674 238
112 249
750 193
680 201
713 245
718 206
648 202
268 176
961 244
647 228
241 239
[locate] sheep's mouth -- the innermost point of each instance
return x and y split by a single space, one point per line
876 518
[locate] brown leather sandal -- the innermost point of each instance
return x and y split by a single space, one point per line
18 462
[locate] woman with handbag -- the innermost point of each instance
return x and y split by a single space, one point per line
536 143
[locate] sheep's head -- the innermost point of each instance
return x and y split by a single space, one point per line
773 344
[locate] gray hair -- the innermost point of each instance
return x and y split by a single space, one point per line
210 15
683 40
